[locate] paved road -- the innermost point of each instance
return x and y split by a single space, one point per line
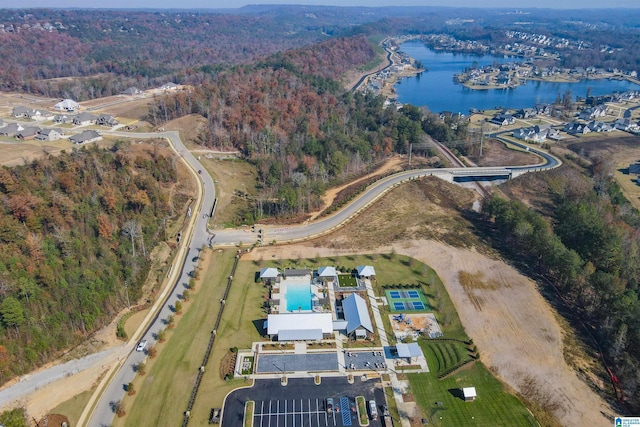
371 194
103 413
32 382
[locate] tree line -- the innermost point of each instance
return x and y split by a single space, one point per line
589 248
75 235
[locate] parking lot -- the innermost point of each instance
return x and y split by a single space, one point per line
302 403
303 412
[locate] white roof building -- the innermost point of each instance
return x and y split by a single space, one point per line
299 326
327 272
469 393
356 314
269 273
365 271
67 105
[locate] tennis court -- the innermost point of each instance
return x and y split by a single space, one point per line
407 300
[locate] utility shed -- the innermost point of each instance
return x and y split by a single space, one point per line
469 394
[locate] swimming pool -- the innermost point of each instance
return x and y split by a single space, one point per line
298 296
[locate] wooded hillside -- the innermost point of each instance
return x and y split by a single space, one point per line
74 231
291 117
585 241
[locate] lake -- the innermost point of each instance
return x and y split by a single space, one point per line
435 89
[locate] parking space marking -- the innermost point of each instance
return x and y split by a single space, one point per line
294 414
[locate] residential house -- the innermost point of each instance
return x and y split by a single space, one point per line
132 91
11 129
20 112
67 105
62 118
576 128
598 126
106 120
39 115
626 125
525 113
169 86
503 119
543 109
49 135
503 79
593 112
85 136
536 133
27 133
84 119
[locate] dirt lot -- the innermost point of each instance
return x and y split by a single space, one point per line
495 153
515 329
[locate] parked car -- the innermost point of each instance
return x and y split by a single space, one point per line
141 345
329 404
373 410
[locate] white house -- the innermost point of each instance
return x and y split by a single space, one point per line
67 105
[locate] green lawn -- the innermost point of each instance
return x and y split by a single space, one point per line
347 281
163 393
493 407
444 355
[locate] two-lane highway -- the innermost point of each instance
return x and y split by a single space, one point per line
195 236
292 233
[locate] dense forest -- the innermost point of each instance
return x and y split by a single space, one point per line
74 231
107 52
587 244
290 117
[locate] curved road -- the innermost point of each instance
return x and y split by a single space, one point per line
281 234
197 237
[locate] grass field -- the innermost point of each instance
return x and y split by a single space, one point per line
164 391
73 407
444 355
493 407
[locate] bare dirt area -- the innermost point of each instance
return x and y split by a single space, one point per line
189 128
517 332
620 152
495 153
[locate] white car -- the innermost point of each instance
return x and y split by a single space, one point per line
141 345
373 410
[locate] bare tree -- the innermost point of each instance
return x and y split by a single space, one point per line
132 229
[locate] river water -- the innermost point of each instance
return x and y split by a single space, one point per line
436 90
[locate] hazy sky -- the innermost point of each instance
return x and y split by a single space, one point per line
169 4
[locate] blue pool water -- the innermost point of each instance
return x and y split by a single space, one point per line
298 296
